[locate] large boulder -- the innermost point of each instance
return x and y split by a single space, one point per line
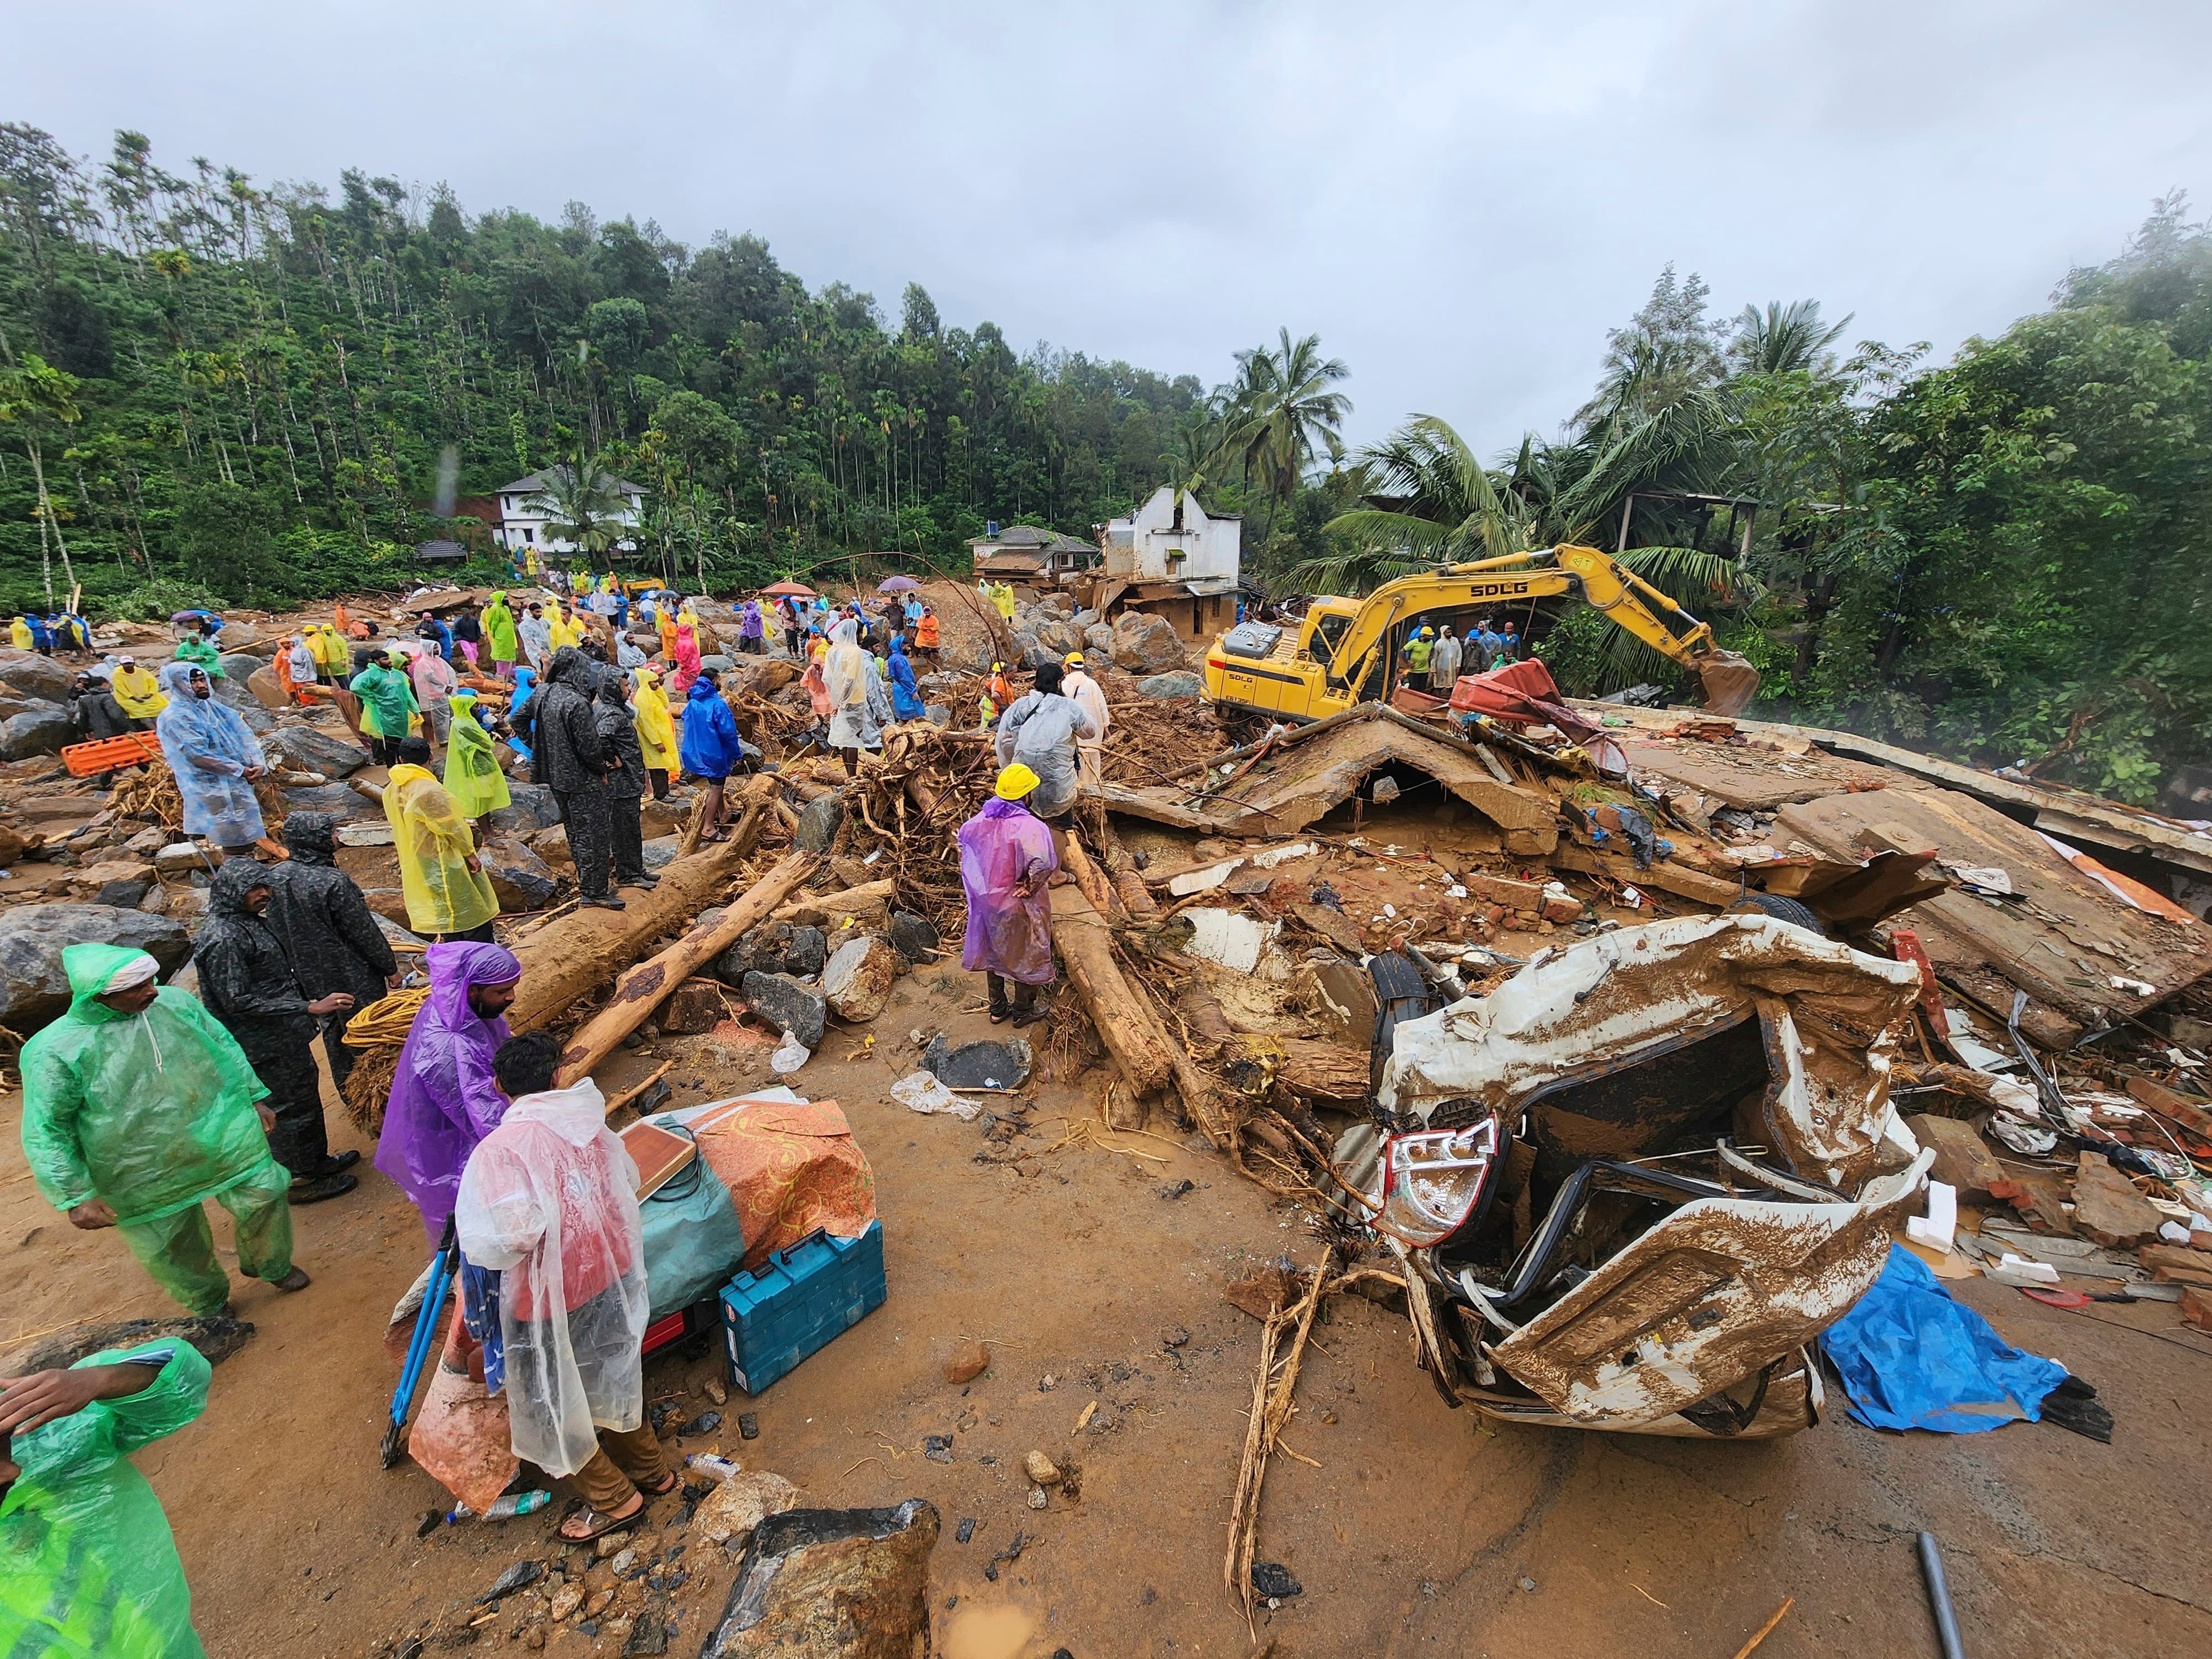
1049 641
41 729
34 676
1146 644
344 803
731 1513
304 749
1098 636
1057 603
774 947
782 1002
240 665
241 638
856 981
530 807
267 687
232 690
33 989
832 1584
1179 683
819 821
521 879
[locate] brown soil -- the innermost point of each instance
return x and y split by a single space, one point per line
1420 1530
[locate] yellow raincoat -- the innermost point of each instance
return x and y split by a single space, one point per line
19 634
138 693
564 631
443 894
334 653
656 730
472 775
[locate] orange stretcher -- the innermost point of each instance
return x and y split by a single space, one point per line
85 760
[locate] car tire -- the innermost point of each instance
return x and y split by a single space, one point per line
1782 909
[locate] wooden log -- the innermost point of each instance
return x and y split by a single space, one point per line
1125 1022
1128 880
852 901
576 956
640 990
1077 862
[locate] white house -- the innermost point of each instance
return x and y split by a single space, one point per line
1172 538
523 518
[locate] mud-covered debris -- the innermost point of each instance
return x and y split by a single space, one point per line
979 1064
1177 1188
965 1530
705 1423
1271 1580
1040 1469
215 1340
748 1427
937 1448
517 1576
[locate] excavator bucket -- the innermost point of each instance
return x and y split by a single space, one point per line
1730 682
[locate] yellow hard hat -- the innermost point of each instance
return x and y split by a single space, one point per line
1074 660
1016 781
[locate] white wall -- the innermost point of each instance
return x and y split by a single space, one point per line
514 520
1138 547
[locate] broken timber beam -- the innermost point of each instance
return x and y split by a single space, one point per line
1661 876
1124 1021
572 958
644 988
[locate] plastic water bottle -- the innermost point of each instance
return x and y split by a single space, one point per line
714 1467
514 1503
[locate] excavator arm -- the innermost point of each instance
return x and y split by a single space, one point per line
1625 599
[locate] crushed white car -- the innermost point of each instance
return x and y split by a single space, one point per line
1632 1184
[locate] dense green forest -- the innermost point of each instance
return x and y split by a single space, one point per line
209 390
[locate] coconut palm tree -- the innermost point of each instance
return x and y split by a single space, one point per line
1284 416
1784 339
584 504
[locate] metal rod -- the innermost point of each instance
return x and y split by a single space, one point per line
1939 1598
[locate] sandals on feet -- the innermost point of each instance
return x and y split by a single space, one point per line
600 1525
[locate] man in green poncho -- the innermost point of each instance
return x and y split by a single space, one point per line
137 1107
472 775
500 637
387 704
89 1569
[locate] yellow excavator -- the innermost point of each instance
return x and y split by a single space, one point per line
1342 653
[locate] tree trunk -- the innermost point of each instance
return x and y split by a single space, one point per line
642 989
1124 1021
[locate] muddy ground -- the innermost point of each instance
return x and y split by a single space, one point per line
1413 1530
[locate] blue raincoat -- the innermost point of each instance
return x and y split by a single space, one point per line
710 748
208 749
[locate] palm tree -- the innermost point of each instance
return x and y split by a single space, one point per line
1784 339
30 391
584 504
1283 414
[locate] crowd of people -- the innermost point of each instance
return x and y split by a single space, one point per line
1435 658
143 1103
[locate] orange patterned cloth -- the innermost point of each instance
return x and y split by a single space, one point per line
789 1170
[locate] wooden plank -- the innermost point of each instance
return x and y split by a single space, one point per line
1662 876
1163 806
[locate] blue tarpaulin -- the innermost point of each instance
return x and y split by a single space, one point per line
1910 1357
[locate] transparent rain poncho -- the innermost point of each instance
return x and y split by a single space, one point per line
548 1201
88 1566
1009 931
208 749
150 1112
1041 731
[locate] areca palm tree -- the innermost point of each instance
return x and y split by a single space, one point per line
32 391
1284 416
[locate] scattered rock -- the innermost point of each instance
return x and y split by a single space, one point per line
833 1584
693 1009
1179 683
515 1578
1273 1580
1146 644
1961 1159
343 803
123 895
1176 1188
659 855
91 877
705 1423
969 1360
979 1064
912 937
937 1448
530 807
965 1530
566 1601
657 819
715 1391
856 981
2108 1209
33 987
819 821
42 728
268 690
2196 1307
647 1635
304 749
1042 1470
774 947
1175 1337
1263 1292
740 1504
786 1004
1037 1498
520 879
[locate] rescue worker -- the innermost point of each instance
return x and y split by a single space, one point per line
569 758
1041 731
711 749
625 781
138 691
472 775
1091 697
137 1107
656 731
213 758
1006 861
387 705
499 635
328 929
1443 663
448 894
926 636
856 696
443 1099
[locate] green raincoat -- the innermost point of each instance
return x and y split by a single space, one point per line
472 775
150 1112
387 701
499 629
202 654
89 1569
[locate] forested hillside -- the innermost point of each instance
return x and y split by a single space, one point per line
235 393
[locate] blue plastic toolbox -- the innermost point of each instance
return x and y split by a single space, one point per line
798 1301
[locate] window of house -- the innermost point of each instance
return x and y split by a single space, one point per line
526 536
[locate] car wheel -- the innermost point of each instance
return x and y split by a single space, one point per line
1782 909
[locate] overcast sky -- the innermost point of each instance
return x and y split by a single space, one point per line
1460 199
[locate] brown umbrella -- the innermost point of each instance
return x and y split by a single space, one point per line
788 590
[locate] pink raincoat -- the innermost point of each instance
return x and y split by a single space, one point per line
687 659
1009 932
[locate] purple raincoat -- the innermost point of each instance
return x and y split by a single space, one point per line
1008 934
443 1098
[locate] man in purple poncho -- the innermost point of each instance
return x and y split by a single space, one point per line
444 1099
1006 863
